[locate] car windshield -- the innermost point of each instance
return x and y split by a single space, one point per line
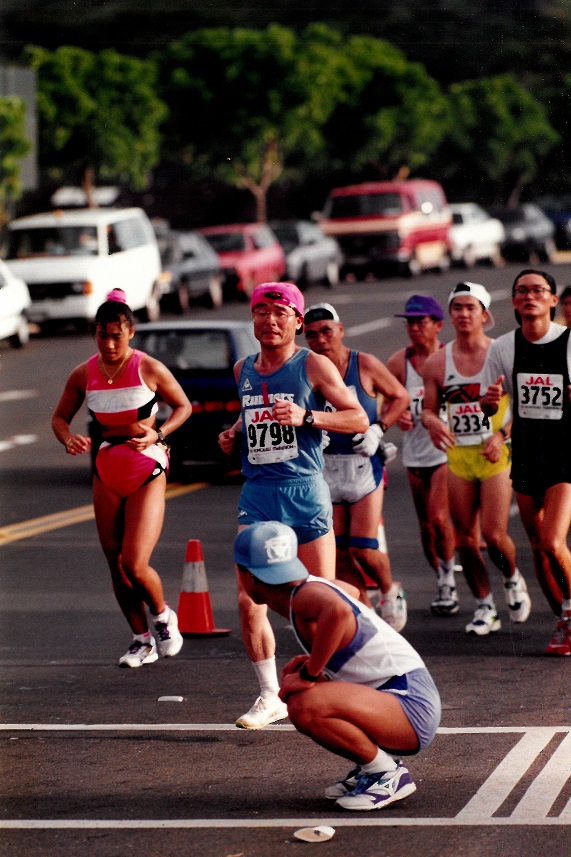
510 215
364 204
226 242
186 349
53 241
286 235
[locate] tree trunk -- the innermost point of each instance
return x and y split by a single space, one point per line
87 185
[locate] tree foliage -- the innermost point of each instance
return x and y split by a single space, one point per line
250 104
499 135
13 147
98 112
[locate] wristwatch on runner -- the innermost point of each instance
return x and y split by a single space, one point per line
308 419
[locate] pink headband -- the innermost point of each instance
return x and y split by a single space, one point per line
117 295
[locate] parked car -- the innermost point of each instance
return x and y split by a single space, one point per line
474 236
529 233
249 254
71 259
201 355
190 270
402 224
14 303
558 209
311 256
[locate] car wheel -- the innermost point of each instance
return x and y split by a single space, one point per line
547 252
468 258
445 263
332 274
303 279
22 334
496 259
412 267
249 286
182 298
215 291
152 308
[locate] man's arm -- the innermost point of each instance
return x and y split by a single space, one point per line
348 418
228 438
433 377
329 624
396 398
397 365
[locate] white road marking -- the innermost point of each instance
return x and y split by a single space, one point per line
377 324
532 809
17 440
17 395
511 769
541 794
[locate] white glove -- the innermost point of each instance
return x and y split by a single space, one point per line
388 452
368 443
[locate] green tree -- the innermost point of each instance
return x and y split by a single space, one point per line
99 114
499 136
391 115
13 147
251 104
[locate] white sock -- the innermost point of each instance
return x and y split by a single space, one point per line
267 674
380 764
566 606
515 577
489 600
446 571
162 617
143 638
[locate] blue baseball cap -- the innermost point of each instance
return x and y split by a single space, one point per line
268 549
420 305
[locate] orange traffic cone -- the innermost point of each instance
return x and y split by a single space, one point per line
194 611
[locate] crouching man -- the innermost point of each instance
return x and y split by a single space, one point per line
389 705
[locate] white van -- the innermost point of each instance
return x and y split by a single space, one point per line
72 259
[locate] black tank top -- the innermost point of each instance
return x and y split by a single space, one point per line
541 431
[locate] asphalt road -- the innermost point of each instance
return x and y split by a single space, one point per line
94 764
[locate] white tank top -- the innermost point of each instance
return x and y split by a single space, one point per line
417 448
466 420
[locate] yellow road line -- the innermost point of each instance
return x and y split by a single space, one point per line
36 526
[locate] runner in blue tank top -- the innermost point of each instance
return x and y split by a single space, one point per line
282 391
353 465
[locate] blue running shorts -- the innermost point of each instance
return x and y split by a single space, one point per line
420 700
303 504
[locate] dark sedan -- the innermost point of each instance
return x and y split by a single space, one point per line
190 270
201 356
529 233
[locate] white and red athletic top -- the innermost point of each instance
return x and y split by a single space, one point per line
127 400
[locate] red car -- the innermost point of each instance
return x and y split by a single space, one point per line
249 254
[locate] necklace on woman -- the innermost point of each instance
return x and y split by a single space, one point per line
111 378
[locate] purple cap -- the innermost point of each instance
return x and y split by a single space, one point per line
284 294
420 305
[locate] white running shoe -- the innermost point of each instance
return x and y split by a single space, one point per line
518 600
446 601
168 637
265 710
375 791
139 653
392 607
343 786
485 621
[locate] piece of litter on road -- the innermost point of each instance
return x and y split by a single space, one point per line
315 834
170 699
